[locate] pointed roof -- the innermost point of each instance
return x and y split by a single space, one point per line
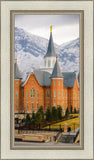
16 71
56 71
50 50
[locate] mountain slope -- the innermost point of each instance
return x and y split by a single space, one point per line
30 50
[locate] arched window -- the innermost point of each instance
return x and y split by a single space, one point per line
47 104
59 83
54 93
54 104
59 93
48 94
54 82
32 93
53 63
63 93
16 93
48 63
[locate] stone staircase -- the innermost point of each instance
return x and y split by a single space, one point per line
69 137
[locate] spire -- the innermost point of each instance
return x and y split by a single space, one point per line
56 71
16 71
51 50
51 29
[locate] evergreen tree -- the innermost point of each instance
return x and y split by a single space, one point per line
38 118
28 119
33 115
41 111
67 112
71 110
59 110
74 110
54 114
48 115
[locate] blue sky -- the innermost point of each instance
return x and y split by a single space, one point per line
65 27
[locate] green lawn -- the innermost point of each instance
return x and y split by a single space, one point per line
69 122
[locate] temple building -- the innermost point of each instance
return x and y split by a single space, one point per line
47 86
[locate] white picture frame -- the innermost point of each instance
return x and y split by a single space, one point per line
6 151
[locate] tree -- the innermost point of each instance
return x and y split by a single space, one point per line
71 109
59 110
74 110
67 112
28 119
38 118
41 111
54 114
48 115
33 115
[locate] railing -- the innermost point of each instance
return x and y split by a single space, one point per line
54 127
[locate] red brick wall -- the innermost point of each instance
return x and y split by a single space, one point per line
47 100
17 93
33 83
73 98
62 99
68 96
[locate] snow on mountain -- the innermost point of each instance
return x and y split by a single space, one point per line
30 50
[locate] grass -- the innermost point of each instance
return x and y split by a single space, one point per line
75 114
69 122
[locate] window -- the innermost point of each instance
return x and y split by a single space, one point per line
54 93
54 83
37 105
16 93
58 93
47 104
16 105
63 93
53 63
32 105
27 105
47 93
48 63
32 93
23 93
37 93
27 93
54 104
16 83
59 83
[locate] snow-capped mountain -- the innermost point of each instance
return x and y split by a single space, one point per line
30 50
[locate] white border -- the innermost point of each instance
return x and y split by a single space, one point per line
87 153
